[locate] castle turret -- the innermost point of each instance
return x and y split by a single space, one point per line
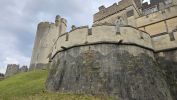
57 20
61 23
39 46
47 34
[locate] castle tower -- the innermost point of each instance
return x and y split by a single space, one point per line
47 34
61 23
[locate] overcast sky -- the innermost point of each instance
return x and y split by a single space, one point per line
19 19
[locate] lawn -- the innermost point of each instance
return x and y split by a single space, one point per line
30 86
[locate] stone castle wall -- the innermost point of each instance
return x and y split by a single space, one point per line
138 63
154 23
130 18
168 64
165 42
159 22
102 33
127 72
52 37
115 8
79 46
2 76
13 69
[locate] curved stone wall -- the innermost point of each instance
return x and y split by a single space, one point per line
101 33
168 64
126 71
39 45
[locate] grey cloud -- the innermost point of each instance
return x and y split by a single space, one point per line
19 19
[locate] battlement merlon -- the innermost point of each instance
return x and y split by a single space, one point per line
106 12
60 23
59 20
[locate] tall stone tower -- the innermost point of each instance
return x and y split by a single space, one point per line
47 34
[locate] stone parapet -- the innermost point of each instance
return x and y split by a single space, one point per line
112 9
102 33
164 42
158 16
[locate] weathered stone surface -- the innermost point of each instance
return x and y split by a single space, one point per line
168 64
38 66
11 70
1 76
24 69
127 72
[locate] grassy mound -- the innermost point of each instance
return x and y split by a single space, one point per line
30 86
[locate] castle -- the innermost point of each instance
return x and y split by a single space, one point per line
130 52
13 69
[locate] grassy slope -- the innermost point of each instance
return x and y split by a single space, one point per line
30 86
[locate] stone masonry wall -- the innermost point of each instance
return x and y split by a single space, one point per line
112 9
125 71
165 41
1 76
104 32
11 70
168 63
159 22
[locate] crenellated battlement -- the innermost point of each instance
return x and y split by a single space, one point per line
115 8
165 42
102 33
130 39
154 32
106 33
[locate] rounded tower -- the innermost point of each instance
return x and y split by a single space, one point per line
47 34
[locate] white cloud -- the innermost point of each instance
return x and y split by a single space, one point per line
147 1
9 52
19 20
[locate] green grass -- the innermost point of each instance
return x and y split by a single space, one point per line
30 86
